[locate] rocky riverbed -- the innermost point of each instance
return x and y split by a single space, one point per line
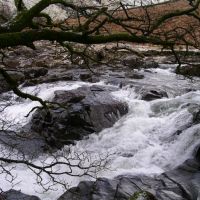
137 110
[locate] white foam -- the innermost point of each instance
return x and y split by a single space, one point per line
18 111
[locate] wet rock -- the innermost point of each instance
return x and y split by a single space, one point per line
24 51
59 74
41 63
17 76
152 94
100 55
150 64
31 82
17 195
50 78
190 70
67 76
136 62
134 75
197 153
84 111
35 72
182 183
85 76
133 61
194 109
27 143
196 117
118 79
13 63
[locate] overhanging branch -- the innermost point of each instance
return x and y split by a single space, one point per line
27 37
12 83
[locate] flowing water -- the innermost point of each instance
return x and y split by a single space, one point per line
153 137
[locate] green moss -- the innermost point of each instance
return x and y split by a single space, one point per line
142 195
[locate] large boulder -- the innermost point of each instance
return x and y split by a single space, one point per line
182 183
78 113
16 195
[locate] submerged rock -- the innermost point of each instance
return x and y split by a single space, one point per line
81 112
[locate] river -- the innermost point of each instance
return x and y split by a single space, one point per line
154 137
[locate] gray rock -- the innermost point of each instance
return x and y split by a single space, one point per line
189 70
196 117
83 111
17 76
136 62
194 109
142 195
150 64
12 63
133 61
58 74
85 76
27 144
134 75
152 94
182 183
17 195
35 72
197 153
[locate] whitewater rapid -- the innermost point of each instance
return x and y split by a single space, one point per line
145 141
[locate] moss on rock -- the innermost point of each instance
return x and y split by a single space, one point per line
142 195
